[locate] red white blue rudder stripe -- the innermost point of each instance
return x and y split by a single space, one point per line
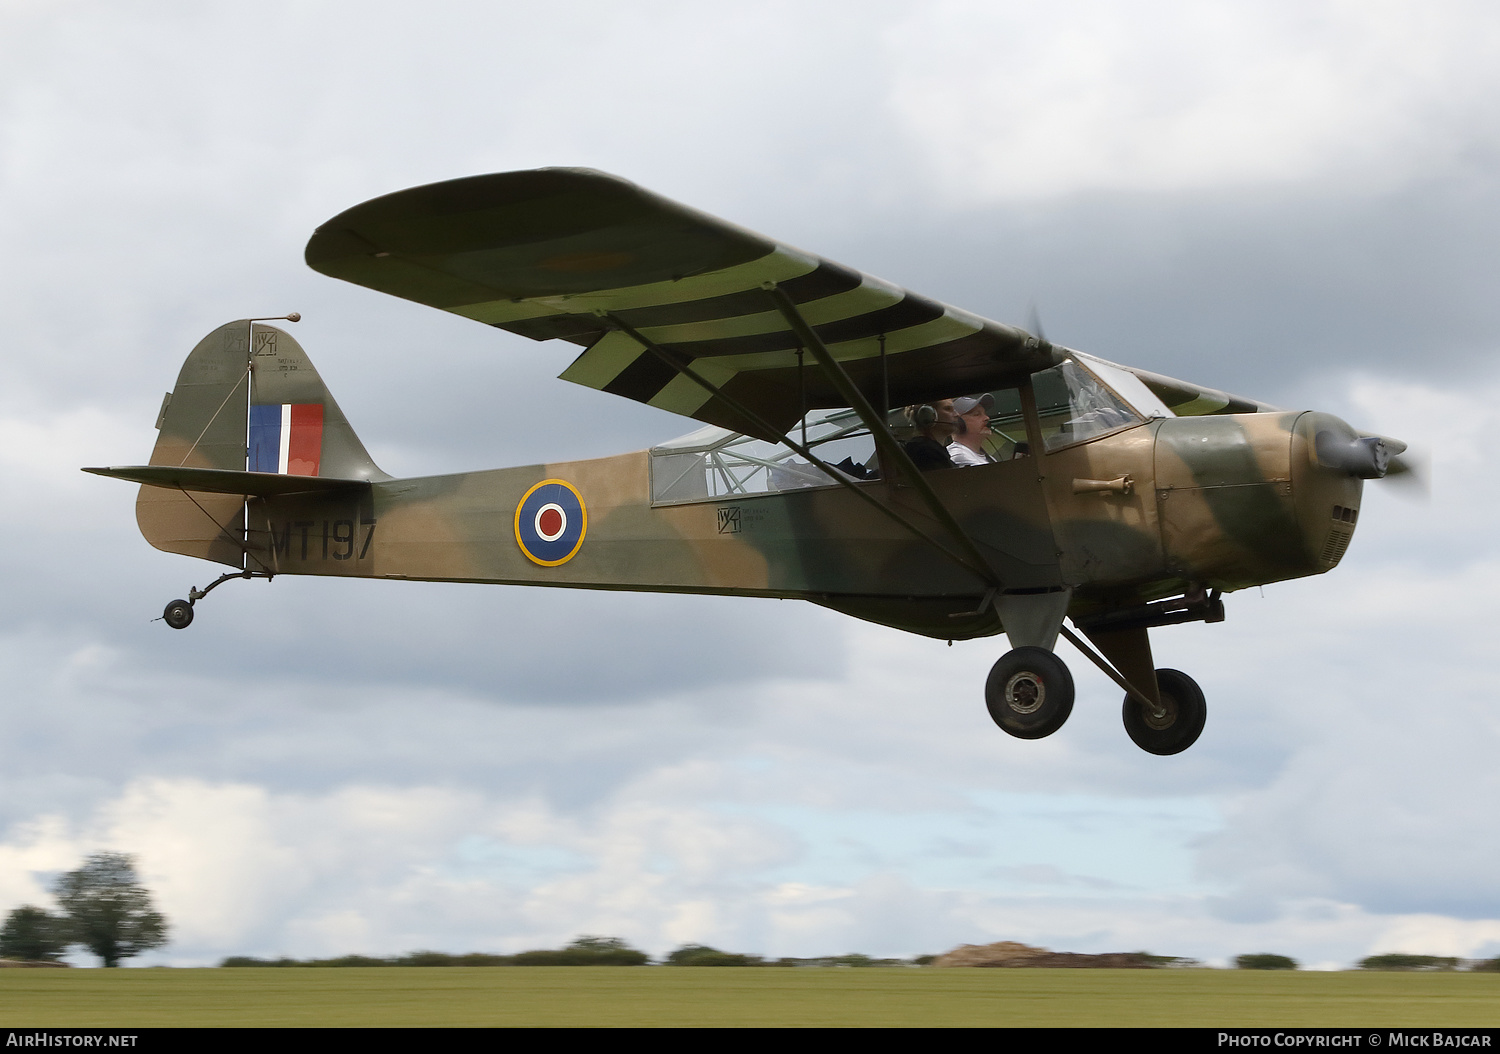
286 438
550 522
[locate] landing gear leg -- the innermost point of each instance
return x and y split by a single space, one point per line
1164 709
1029 692
179 613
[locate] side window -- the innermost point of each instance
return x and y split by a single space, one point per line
1074 405
1007 438
714 463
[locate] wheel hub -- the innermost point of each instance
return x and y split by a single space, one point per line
1163 718
1025 693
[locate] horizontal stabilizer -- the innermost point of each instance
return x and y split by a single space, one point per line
228 481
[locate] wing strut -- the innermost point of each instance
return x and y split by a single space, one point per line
890 451
1152 706
974 563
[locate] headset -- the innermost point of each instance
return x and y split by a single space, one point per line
925 415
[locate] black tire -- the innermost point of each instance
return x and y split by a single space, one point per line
1029 693
178 614
1181 723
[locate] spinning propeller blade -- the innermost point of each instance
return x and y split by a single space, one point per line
1411 474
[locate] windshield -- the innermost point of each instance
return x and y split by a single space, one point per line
1074 405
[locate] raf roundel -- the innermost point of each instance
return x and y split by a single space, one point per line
550 522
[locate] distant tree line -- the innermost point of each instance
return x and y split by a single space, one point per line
585 951
1389 961
1403 961
703 955
612 951
102 906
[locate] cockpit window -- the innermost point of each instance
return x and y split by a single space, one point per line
1126 385
1074 405
717 463
1007 438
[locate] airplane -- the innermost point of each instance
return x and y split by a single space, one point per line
1112 497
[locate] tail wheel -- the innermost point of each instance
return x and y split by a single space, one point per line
1029 693
178 614
1179 722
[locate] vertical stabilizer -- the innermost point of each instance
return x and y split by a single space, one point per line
202 424
247 397
288 401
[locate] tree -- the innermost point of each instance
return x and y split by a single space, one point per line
586 951
1404 961
1264 961
703 955
108 911
32 934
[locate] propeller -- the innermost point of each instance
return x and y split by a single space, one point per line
1411 474
1366 456
1039 339
1034 324
1361 456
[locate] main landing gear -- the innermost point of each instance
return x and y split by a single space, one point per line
1173 725
179 613
1029 692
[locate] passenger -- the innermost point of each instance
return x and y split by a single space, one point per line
936 424
973 413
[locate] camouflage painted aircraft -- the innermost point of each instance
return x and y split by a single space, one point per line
1118 499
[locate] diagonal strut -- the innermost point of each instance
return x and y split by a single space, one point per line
891 452
973 563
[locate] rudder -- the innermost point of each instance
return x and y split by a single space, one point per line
247 397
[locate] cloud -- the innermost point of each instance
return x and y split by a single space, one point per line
786 809
1383 800
382 870
1005 103
1295 203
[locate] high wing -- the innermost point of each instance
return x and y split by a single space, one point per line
673 305
1191 400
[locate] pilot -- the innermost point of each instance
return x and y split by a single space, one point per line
973 417
936 424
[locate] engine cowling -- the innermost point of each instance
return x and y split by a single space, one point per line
1248 499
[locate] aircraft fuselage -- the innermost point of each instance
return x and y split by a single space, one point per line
1143 513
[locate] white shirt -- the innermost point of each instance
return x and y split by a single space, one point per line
963 457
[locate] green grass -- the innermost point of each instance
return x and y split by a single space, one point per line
591 995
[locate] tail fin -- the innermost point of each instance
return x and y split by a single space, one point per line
247 397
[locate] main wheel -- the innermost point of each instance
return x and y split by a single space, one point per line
1029 692
178 614
1180 722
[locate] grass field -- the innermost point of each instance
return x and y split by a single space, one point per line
687 996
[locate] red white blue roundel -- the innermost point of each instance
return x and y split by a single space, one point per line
550 522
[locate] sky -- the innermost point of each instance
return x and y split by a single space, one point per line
1293 201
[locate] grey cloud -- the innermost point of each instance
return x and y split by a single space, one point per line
151 192
1244 290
